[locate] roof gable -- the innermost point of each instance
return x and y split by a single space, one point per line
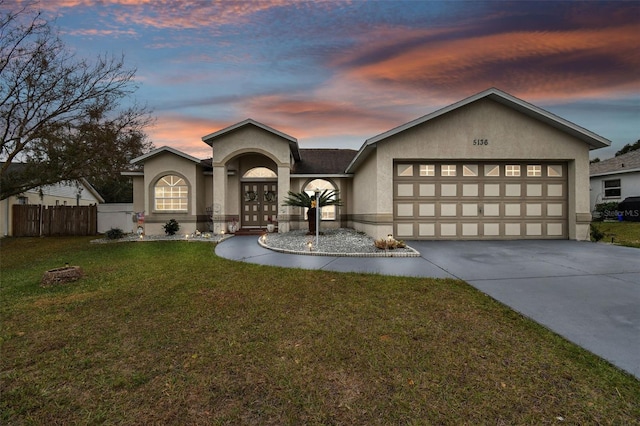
593 140
293 142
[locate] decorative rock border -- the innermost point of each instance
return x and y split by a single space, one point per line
62 275
390 253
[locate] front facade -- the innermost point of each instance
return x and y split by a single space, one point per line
488 167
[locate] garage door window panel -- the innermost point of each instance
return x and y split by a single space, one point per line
554 171
470 170
405 170
448 170
491 170
512 170
427 170
534 171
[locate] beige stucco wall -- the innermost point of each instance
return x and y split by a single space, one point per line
510 135
156 167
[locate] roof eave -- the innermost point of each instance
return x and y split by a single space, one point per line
615 172
160 150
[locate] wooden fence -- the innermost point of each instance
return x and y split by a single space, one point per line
35 220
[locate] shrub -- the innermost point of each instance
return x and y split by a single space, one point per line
606 211
114 234
171 227
596 234
389 243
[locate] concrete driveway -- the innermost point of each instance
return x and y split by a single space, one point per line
588 293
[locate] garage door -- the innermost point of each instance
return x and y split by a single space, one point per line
480 200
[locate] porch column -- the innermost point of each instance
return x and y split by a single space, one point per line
219 198
284 212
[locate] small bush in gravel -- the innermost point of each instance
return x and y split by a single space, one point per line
114 234
171 227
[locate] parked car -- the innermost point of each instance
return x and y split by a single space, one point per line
630 209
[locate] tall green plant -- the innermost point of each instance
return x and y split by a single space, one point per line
328 197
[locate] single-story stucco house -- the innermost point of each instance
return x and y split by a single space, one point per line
490 166
615 179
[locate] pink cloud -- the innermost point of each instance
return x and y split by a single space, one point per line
536 64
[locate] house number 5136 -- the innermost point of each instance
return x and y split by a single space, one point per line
480 142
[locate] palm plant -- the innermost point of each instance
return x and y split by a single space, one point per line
328 197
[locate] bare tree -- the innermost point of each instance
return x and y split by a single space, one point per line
60 115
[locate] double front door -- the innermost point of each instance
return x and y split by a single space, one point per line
259 203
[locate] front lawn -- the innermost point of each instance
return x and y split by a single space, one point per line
622 233
168 333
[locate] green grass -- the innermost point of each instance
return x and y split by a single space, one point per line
622 233
168 333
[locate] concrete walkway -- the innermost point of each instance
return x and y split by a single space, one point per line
589 293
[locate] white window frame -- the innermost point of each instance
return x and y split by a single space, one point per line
171 194
615 188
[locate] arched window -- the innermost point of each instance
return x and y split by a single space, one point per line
260 172
328 212
171 194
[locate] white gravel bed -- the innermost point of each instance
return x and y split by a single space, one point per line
334 242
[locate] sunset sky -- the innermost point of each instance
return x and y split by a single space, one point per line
335 73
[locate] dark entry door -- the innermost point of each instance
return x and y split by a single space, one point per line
259 203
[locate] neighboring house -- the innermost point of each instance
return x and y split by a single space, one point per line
488 167
59 194
615 179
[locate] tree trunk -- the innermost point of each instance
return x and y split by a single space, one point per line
311 218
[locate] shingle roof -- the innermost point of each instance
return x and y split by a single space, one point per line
323 161
622 163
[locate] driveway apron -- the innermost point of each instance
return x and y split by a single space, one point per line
588 293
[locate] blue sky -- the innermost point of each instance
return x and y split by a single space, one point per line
335 73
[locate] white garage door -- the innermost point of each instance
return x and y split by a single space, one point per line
480 200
